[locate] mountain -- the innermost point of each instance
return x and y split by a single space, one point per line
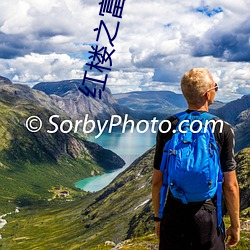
138 105
242 130
237 114
122 210
75 104
216 105
38 166
4 80
32 163
167 102
141 105
149 104
139 100
232 110
106 215
243 175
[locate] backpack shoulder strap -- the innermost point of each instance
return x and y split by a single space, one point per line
208 116
182 115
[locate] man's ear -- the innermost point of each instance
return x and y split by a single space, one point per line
207 95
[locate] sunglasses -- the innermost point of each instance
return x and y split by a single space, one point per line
216 87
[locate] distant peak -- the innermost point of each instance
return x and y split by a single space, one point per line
4 80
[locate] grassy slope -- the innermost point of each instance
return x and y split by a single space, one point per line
28 169
150 242
54 225
243 176
33 182
60 225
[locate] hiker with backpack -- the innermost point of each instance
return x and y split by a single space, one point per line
194 166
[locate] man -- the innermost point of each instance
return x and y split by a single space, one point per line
194 225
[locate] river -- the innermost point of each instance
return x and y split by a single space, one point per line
3 222
128 146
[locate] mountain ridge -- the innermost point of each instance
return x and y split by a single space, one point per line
58 159
4 80
154 103
230 111
68 98
237 113
120 211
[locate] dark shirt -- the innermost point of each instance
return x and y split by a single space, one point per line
180 224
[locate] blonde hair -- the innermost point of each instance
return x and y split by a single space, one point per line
195 83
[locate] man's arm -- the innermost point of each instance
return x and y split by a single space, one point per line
232 200
156 187
157 178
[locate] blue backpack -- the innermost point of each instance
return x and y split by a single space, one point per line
191 162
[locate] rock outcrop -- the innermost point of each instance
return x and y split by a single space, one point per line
4 80
76 105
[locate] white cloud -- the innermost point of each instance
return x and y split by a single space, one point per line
46 40
34 68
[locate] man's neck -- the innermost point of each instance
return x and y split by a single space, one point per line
198 107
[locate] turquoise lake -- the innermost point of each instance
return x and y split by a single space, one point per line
129 146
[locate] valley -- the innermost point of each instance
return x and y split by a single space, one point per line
38 171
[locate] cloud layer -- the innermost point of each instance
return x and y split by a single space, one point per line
157 42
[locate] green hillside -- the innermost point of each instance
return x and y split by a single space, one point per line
123 210
88 221
243 175
31 164
38 172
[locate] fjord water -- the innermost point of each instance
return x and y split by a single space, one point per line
128 146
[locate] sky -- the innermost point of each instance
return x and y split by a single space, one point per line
157 42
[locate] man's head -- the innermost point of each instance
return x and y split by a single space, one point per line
197 86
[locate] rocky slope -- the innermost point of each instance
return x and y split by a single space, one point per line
4 80
232 110
242 130
237 114
126 206
243 175
75 104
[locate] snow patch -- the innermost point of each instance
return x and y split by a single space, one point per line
143 186
142 204
2 223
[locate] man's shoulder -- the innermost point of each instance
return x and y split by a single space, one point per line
227 127
172 119
220 124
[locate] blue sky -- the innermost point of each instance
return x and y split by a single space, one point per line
157 42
